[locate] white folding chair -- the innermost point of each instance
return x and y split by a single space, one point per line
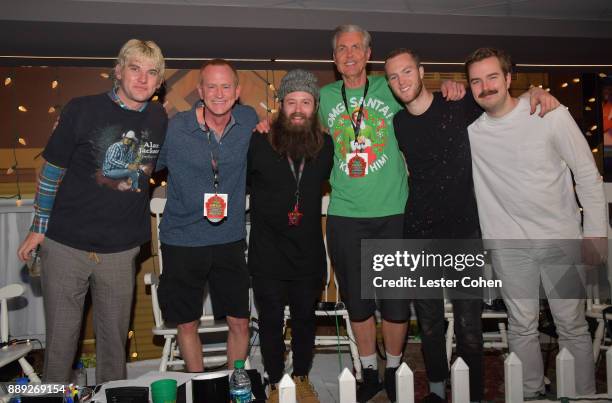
337 312
17 351
214 353
594 306
497 340
595 310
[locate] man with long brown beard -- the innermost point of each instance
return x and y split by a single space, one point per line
286 169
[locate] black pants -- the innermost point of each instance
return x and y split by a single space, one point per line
271 297
468 329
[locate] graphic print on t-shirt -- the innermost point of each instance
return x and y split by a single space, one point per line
124 158
373 133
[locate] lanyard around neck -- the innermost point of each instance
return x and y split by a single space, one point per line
298 176
213 157
357 124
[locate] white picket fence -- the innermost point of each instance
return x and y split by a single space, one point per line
513 375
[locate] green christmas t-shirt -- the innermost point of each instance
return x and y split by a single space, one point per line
384 190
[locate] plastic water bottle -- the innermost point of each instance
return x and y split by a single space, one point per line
80 374
21 382
240 384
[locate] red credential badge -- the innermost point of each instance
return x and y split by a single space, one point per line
357 164
215 206
295 216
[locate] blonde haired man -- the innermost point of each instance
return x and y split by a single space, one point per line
90 226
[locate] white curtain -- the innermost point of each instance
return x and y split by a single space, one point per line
26 316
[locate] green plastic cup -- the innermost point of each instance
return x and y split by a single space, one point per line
164 391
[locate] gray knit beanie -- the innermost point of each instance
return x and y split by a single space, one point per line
299 80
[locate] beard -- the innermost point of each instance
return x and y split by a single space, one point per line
417 91
296 141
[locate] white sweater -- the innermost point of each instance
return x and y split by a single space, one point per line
521 167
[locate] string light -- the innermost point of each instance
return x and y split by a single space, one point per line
576 80
105 75
269 110
594 150
587 108
133 344
591 100
564 85
540 86
54 84
270 85
603 75
152 181
16 140
51 109
547 89
155 98
593 128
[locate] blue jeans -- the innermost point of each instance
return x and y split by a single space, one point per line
124 173
468 328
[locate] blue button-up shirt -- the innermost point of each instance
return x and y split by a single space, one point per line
187 155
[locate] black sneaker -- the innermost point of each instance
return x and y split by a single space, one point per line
390 383
433 398
370 385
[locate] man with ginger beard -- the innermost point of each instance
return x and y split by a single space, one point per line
286 169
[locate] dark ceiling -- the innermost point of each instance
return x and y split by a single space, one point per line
34 29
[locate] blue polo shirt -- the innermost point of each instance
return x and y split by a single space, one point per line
187 155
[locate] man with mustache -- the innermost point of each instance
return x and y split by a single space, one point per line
286 170
522 169
432 134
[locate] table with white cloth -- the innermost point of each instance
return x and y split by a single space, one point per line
26 315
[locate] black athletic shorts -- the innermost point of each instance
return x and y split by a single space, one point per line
187 270
344 235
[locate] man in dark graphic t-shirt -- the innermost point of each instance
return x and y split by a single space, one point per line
90 218
432 134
